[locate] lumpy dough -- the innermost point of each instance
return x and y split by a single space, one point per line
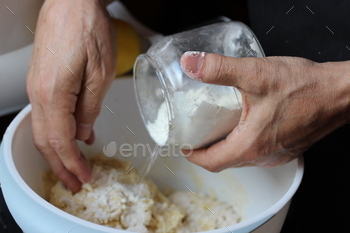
117 197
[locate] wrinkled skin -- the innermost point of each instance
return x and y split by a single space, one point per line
72 67
288 104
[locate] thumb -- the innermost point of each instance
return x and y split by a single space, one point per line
218 69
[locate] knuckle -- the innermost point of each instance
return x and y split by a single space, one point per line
212 166
71 166
74 164
70 160
39 144
214 69
101 67
253 153
56 143
262 75
48 13
91 110
220 64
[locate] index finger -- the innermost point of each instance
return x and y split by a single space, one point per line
61 137
58 102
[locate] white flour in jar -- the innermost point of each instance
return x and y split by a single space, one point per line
202 116
160 127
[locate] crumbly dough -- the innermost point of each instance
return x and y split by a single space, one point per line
117 197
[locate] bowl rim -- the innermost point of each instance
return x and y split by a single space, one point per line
11 168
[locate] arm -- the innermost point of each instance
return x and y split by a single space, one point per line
288 104
72 67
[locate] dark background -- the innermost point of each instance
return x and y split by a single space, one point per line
322 202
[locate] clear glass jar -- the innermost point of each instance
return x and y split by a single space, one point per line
181 111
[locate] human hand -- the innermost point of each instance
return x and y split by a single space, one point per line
72 67
288 104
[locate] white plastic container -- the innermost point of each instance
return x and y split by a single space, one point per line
260 195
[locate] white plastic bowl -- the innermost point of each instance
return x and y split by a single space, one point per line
262 196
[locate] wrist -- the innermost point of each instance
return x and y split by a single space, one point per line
339 74
346 78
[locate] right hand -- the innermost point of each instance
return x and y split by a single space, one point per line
288 103
72 67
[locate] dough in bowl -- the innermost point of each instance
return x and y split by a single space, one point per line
117 197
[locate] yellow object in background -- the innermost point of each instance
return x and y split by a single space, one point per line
128 46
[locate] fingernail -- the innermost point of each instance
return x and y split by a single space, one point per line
86 178
83 131
91 138
75 188
192 62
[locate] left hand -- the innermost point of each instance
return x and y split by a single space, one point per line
72 67
288 104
